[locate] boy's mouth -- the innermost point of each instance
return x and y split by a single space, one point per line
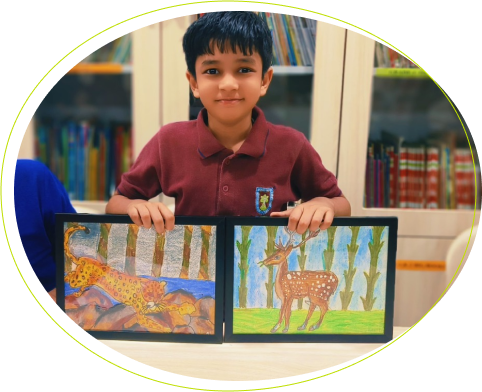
229 101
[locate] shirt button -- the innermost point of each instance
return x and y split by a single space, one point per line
225 188
228 161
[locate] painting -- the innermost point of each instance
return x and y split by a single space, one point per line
335 285
117 280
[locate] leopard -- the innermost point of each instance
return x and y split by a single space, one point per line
145 296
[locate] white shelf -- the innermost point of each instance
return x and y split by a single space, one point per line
89 207
292 70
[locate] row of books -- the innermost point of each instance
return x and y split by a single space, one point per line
293 38
87 158
117 51
432 175
386 57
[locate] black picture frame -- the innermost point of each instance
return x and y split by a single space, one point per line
253 316
192 303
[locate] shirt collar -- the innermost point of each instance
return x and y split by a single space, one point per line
254 145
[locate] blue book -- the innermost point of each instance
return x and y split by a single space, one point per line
81 160
291 51
72 159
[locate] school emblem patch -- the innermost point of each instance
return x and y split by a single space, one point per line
264 200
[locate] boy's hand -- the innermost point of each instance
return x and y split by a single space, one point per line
145 213
316 213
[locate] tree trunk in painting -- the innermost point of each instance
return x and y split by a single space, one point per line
329 252
243 266
374 246
204 264
158 258
68 260
302 263
270 249
186 253
130 265
349 274
103 242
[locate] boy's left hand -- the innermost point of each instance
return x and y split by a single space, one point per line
316 213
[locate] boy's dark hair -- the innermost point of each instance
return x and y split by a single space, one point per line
244 30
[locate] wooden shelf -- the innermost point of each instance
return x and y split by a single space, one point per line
101 68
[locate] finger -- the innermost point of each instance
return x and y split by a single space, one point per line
327 220
168 216
305 220
134 215
282 214
156 218
317 219
295 216
144 215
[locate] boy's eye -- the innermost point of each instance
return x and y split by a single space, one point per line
245 70
212 71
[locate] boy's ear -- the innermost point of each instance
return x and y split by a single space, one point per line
193 84
265 82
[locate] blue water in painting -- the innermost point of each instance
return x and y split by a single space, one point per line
198 288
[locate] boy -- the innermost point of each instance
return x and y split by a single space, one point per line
230 161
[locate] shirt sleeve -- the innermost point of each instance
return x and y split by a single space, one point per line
39 195
142 180
309 178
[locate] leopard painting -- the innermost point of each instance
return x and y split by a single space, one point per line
143 295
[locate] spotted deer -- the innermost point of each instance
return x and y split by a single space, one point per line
318 286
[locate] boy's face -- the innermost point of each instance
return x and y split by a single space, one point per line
229 84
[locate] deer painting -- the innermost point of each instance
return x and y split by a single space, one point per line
318 286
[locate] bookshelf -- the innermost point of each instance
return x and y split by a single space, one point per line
424 234
357 126
152 98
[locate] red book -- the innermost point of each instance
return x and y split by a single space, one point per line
432 178
119 143
470 181
464 179
102 167
411 177
403 185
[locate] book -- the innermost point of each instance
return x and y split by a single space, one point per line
432 178
282 36
290 38
294 23
279 59
308 38
402 183
72 159
465 178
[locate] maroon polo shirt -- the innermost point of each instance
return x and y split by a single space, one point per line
275 165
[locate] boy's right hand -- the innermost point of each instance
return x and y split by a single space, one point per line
145 213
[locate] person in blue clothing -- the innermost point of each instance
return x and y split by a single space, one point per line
38 196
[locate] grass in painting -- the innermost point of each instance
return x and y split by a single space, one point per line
339 322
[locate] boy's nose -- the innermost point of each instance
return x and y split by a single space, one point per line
228 82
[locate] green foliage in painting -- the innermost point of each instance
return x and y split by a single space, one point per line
375 246
349 274
243 266
270 249
329 252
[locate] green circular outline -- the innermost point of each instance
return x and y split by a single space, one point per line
233 1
